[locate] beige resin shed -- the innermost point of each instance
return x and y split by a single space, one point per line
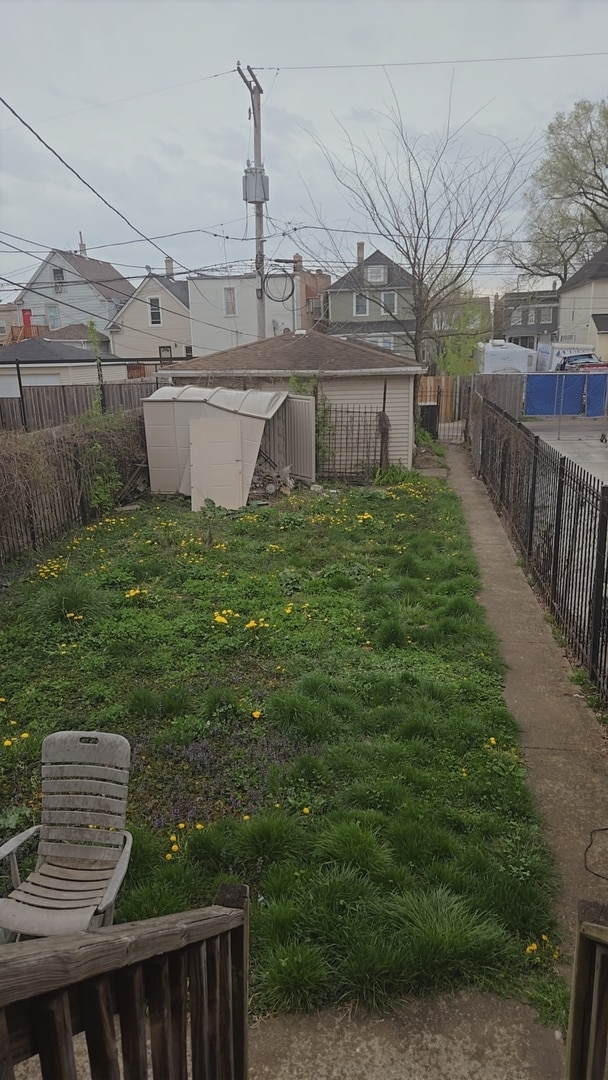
205 443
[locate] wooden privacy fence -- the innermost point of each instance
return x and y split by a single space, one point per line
50 406
48 479
178 984
588 1024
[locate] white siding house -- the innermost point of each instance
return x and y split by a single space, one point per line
68 288
224 309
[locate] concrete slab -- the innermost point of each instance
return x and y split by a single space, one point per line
577 438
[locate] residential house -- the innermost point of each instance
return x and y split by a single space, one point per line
77 335
583 305
223 308
528 318
40 362
155 320
68 287
373 303
9 316
339 372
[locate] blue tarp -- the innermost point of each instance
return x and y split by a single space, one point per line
555 394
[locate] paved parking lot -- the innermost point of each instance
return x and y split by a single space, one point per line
577 438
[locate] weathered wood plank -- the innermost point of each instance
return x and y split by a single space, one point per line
598 1025
199 1026
213 1007
132 1013
225 1010
6 1058
98 1016
592 922
156 979
54 1037
57 963
237 896
178 994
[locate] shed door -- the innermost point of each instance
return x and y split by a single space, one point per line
215 461
300 429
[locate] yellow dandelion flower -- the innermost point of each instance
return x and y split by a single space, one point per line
256 714
492 741
199 826
305 810
173 838
531 948
181 825
544 937
277 806
7 742
174 847
2 700
168 855
246 817
251 624
220 619
25 734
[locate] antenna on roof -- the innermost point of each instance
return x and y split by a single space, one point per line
82 247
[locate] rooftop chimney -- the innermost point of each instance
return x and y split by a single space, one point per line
82 247
169 271
297 264
360 252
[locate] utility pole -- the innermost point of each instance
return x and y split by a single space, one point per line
255 190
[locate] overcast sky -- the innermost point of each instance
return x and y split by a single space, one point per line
142 99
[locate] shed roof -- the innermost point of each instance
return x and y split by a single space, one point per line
261 404
42 351
73 332
309 353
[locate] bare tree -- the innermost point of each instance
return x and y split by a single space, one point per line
561 239
441 206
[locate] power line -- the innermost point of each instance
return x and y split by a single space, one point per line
132 97
29 127
431 63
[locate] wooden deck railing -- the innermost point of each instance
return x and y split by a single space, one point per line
588 1023
162 977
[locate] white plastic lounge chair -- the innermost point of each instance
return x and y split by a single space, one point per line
83 850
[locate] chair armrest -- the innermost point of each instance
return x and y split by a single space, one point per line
8 849
16 841
120 870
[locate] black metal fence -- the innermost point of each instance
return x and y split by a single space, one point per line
558 516
349 439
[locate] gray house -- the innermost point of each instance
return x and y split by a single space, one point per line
527 318
68 288
373 303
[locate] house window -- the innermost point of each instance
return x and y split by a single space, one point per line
389 303
165 352
360 304
2 328
382 341
58 276
546 315
156 318
188 351
52 316
376 275
516 316
229 300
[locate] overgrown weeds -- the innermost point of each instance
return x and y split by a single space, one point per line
314 704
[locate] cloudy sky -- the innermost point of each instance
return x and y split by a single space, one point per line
141 97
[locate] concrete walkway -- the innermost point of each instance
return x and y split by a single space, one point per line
478 1036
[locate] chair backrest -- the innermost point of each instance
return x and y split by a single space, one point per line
85 776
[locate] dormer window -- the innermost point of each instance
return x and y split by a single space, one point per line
57 275
376 275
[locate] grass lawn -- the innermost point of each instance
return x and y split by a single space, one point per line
313 700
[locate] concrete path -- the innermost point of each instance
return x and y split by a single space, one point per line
478 1036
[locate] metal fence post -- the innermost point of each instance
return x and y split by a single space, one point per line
559 501
597 601
532 498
